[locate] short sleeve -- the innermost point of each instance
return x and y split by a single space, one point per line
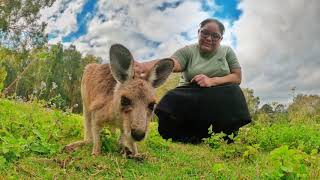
183 56
232 59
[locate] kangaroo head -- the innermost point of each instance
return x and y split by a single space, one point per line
134 97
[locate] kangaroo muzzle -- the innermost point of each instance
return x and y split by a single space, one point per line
137 134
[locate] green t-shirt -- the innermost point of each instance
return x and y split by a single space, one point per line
214 64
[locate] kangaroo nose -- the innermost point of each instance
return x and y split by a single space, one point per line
137 135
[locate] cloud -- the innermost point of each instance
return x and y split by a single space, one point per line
147 30
61 18
279 47
150 29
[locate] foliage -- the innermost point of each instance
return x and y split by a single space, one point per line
215 140
280 108
251 152
252 101
307 106
170 83
287 163
3 75
266 108
155 142
57 102
50 73
297 135
20 26
25 131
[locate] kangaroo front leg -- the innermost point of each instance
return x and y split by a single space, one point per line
134 149
96 150
73 146
87 126
124 146
121 141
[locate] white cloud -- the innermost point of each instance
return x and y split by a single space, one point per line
61 18
279 47
137 24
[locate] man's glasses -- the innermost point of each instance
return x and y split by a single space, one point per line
205 33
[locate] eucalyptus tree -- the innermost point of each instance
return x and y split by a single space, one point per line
20 25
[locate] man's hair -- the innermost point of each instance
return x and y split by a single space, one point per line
206 21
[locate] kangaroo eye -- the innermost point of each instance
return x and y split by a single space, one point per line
125 101
151 106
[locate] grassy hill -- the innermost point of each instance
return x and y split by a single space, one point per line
280 145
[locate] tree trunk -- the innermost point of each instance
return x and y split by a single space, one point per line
7 90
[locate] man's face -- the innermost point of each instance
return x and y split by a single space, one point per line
209 37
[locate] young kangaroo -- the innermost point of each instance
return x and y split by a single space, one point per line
112 96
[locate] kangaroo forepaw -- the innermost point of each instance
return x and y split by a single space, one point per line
96 152
138 157
69 148
125 151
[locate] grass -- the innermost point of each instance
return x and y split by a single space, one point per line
32 138
171 82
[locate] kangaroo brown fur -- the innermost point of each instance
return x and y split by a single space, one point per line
112 96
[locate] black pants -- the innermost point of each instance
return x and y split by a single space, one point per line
185 113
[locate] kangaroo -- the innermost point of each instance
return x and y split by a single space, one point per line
112 96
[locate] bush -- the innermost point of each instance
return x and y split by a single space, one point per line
292 135
305 108
27 128
289 163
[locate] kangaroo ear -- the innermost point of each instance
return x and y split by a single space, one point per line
160 72
121 62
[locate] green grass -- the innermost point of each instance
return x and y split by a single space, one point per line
171 82
32 139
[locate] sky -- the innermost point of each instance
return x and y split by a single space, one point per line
277 42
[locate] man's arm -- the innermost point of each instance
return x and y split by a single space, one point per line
145 67
235 76
204 81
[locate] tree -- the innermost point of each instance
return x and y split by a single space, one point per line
20 28
266 108
304 108
252 101
3 75
280 108
51 73
19 23
18 64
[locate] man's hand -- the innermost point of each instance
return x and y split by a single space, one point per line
139 69
204 81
